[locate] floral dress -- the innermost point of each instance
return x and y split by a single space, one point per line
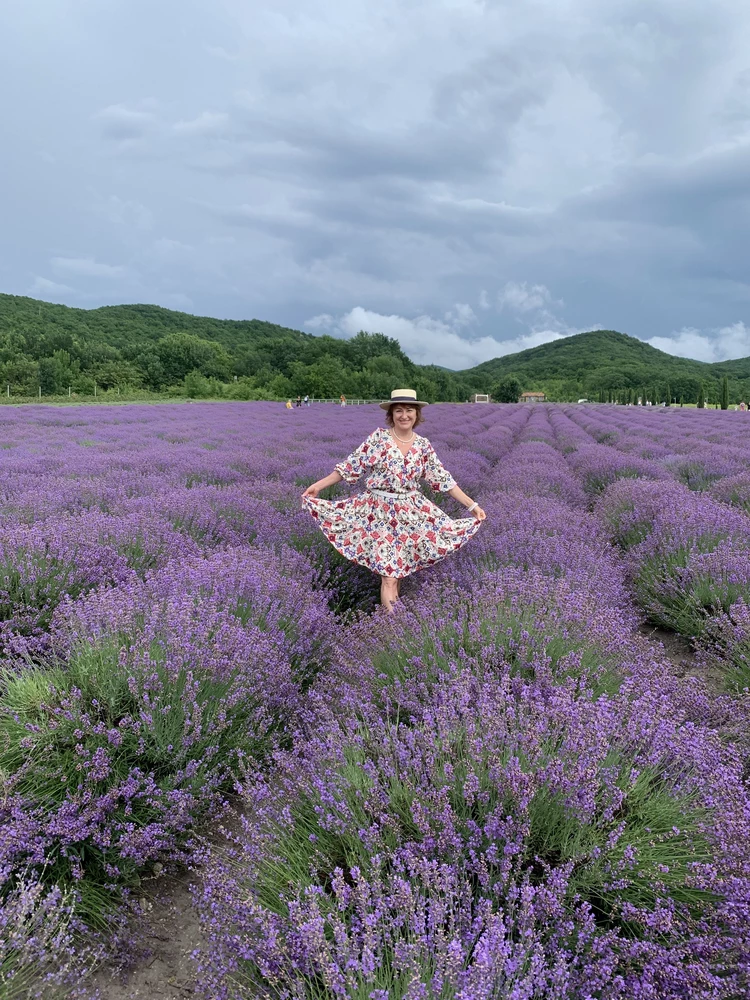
397 534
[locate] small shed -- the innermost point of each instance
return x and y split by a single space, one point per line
533 397
480 397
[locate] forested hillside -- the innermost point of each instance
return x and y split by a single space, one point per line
57 348
604 360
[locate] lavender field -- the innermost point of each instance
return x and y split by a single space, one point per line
507 789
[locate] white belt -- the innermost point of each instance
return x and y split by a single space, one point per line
393 496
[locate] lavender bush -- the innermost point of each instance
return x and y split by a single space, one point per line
502 790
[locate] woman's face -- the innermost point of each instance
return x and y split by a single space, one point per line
404 417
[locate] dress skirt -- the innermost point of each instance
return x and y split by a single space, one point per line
392 536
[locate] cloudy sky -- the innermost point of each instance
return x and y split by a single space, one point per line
472 177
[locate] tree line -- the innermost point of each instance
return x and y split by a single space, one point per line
57 349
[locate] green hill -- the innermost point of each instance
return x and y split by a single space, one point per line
140 346
608 360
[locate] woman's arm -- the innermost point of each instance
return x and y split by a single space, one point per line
356 465
442 481
312 491
458 494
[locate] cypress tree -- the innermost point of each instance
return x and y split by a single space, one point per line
725 393
701 398
682 400
668 395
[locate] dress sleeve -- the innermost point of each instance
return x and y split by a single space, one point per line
437 476
359 461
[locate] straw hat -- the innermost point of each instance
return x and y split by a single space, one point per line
407 396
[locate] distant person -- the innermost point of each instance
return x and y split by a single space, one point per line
299 401
288 404
342 397
307 400
392 528
743 406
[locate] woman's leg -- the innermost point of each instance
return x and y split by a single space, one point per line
388 592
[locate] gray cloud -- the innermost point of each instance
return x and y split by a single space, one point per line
120 122
473 175
87 267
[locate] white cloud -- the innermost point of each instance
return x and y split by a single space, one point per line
120 122
322 322
218 52
724 344
124 212
461 315
430 341
207 123
87 267
484 302
43 288
524 298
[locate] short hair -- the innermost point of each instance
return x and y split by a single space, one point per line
389 414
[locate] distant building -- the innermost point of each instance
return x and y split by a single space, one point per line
480 397
533 397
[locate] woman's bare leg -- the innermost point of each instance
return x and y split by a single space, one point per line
388 592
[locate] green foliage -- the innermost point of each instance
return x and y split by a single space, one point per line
609 362
725 393
507 390
146 347
701 398
72 712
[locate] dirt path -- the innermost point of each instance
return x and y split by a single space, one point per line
168 935
681 653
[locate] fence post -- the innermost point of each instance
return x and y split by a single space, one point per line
40 392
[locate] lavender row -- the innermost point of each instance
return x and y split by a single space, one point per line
502 790
505 788
165 606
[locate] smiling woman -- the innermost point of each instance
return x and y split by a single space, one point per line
392 528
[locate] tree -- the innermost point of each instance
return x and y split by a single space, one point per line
57 373
725 393
667 395
117 374
181 353
149 363
507 390
22 375
328 378
701 398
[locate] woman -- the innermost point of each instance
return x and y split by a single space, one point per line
392 528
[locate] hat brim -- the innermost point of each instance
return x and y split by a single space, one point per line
402 402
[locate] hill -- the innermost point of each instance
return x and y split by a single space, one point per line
135 346
56 346
608 360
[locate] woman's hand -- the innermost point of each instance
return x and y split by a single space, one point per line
322 484
479 514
